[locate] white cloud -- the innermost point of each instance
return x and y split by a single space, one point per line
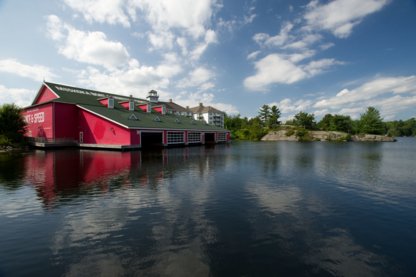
92 47
304 42
19 96
161 39
286 106
340 16
35 72
370 90
133 78
277 40
316 67
210 37
101 11
192 99
181 41
275 69
190 15
321 112
260 37
253 55
300 56
249 19
196 78
326 46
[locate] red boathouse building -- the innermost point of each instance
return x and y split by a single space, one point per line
66 115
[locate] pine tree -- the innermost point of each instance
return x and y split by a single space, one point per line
264 113
371 122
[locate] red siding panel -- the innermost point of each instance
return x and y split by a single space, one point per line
101 131
135 137
45 95
66 121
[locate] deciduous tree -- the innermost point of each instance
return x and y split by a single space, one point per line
12 122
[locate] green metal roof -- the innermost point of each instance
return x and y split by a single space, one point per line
88 100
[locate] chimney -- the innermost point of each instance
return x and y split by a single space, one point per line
170 100
200 104
131 96
187 107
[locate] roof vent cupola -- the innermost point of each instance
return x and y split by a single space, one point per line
152 96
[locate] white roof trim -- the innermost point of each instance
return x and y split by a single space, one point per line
40 90
133 117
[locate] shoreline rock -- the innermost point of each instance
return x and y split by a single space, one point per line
325 136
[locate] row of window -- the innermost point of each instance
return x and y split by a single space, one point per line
179 137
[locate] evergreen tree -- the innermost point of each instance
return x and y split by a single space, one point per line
264 113
273 121
371 123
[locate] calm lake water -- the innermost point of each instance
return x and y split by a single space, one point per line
246 209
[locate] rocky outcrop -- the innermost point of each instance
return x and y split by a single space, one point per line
324 136
372 138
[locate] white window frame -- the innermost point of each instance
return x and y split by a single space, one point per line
111 102
191 139
131 105
173 137
218 136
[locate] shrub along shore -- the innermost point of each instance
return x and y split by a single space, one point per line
303 125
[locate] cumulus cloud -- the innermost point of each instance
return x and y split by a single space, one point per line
370 90
384 93
340 16
275 69
101 11
192 99
286 106
321 112
210 37
165 17
19 96
278 40
133 78
197 77
35 72
253 55
192 16
88 47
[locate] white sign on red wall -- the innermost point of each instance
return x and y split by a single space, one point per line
35 118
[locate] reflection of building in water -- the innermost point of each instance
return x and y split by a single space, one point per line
66 174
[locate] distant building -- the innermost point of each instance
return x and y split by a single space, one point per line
208 114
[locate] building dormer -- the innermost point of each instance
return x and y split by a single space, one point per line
160 109
152 96
128 104
108 102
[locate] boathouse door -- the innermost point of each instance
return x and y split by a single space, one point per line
81 137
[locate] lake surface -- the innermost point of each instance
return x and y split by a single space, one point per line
246 209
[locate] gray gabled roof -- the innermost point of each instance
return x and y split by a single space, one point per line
88 100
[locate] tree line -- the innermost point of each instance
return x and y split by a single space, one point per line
370 122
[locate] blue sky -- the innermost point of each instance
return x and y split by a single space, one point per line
317 56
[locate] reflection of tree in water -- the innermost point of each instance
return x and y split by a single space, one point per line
12 170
